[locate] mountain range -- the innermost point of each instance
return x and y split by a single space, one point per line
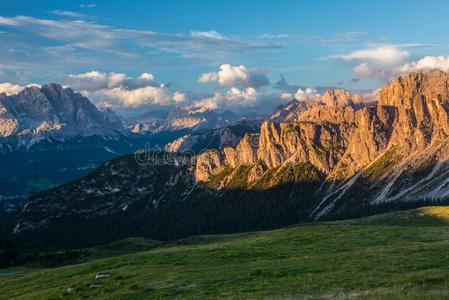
50 112
50 135
331 157
392 150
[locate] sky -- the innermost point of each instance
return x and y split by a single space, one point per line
237 55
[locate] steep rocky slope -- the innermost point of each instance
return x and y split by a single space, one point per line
340 157
394 150
51 113
213 138
50 135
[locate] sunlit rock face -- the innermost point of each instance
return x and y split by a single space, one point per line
345 137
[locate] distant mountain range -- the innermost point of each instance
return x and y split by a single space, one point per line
54 114
335 156
181 118
51 134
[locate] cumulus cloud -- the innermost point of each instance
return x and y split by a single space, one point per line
94 80
237 97
301 94
306 94
365 70
241 76
208 77
124 97
386 61
209 103
119 89
179 97
9 88
233 98
368 70
426 63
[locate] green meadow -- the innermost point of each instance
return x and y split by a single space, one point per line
389 256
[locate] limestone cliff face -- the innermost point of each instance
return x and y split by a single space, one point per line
379 147
337 106
208 164
290 111
421 104
320 136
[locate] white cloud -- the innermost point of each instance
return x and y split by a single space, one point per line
119 89
370 70
384 55
94 80
207 35
241 76
9 21
87 5
306 94
386 61
210 103
426 63
237 97
120 96
233 98
232 75
66 13
33 84
75 36
147 76
337 38
179 97
286 96
365 70
301 94
9 88
208 77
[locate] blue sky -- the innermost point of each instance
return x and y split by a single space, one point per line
102 48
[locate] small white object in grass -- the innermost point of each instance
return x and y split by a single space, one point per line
102 275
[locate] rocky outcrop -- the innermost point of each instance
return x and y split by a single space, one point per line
376 146
336 106
208 164
290 111
421 104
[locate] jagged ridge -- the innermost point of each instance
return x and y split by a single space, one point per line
378 148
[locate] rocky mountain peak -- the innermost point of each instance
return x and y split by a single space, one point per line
50 110
402 91
343 137
337 98
290 111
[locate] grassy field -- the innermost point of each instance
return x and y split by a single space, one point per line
390 256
